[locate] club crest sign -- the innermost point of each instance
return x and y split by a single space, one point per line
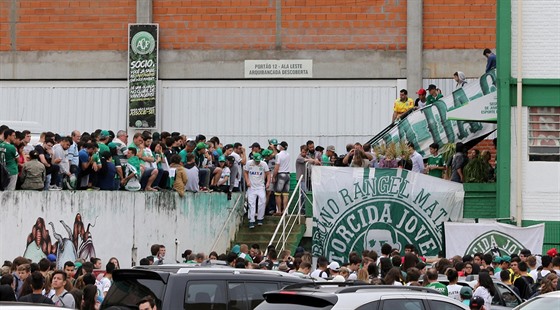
357 209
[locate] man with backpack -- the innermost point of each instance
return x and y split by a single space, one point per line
523 281
61 298
323 270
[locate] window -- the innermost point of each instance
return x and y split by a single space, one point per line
509 299
442 305
544 133
369 306
255 291
202 295
403 304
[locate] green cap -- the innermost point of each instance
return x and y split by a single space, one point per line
201 145
257 157
104 133
273 141
112 145
222 158
266 153
219 151
506 258
497 259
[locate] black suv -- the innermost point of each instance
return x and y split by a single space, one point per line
196 288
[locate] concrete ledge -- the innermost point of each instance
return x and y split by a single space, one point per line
124 224
229 64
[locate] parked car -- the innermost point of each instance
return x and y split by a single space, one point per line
13 305
332 296
504 299
547 301
196 287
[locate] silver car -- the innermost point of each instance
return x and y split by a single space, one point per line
546 301
333 296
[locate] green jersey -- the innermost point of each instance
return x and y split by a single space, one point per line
431 99
442 289
103 148
134 161
436 161
8 157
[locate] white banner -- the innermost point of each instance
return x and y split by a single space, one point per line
356 209
500 239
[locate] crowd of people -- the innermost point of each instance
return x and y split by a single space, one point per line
79 285
84 284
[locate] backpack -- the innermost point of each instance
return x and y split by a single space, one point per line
60 299
528 290
339 161
4 177
536 286
323 272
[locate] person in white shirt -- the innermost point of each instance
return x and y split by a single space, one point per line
453 289
60 151
257 178
281 176
61 298
323 270
416 158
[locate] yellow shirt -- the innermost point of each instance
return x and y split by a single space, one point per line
401 107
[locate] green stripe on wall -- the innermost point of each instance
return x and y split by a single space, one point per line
551 233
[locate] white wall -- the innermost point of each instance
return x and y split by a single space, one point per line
540 33
540 180
123 221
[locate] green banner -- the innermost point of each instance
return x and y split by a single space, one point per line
142 75
434 123
358 209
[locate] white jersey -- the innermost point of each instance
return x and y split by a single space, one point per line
283 161
257 173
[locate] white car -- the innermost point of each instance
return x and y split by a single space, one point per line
333 296
546 301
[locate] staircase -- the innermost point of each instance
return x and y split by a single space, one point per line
261 235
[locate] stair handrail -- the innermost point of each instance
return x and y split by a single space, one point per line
234 208
283 222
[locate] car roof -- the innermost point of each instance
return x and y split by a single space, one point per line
9 305
343 294
164 273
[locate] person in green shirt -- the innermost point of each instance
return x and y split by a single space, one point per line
435 165
432 278
9 157
434 95
103 141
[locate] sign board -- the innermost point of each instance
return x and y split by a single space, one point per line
279 69
142 75
497 238
356 209
482 109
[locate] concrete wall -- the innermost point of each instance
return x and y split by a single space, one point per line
540 180
126 223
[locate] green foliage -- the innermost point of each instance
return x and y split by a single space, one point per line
476 171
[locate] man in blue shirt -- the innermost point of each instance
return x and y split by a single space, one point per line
491 62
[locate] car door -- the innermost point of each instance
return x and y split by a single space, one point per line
443 305
505 296
402 304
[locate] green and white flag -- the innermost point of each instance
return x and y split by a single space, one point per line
356 209
462 116
501 239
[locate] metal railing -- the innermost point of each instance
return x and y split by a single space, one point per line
288 220
238 202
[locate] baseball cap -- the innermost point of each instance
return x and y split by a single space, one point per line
421 91
506 258
51 258
104 134
256 144
273 141
222 158
201 145
476 302
284 144
330 148
497 260
266 153
466 292
257 157
334 266
552 252
236 249
432 86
